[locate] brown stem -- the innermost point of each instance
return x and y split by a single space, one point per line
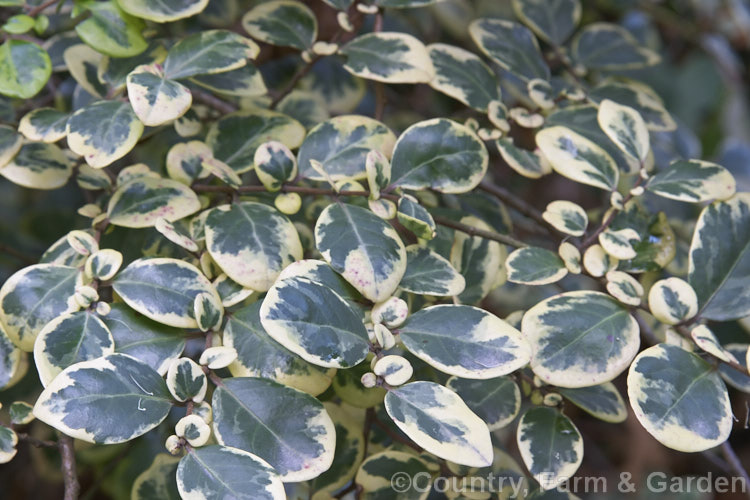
516 203
38 9
17 254
213 101
39 443
293 82
379 100
72 488
735 463
473 231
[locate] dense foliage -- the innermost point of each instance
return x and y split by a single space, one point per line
288 232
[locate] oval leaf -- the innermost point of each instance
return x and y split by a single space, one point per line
511 45
208 52
144 200
497 401
282 22
534 266
25 68
693 181
155 99
610 47
462 75
552 20
388 57
163 12
428 273
602 401
38 166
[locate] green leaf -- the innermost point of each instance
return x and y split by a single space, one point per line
350 448
103 132
388 57
163 290
534 266
602 401
186 380
463 76
314 322
20 413
624 288
69 339
605 46
552 20
286 427
341 145
18 24
693 181
113 71
512 46
144 200
340 90
24 68
320 272
679 399
719 266
577 158
464 341
33 297
155 99
11 360
376 472
111 31
165 11
38 165
525 162
235 137
155 344
580 338
566 217
42 124
282 22
259 355
308 108
251 242
428 273
582 119
439 421
478 259
626 128
550 445
439 154
8 442
10 142
208 52
416 218
83 63
638 96
245 81
214 472
88 400
404 4
497 401
158 481
275 164
656 247
363 248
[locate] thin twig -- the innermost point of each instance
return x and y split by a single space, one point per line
38 9
293 82
17 254
213 101
516 203
39 443
72 488
473 231
735 463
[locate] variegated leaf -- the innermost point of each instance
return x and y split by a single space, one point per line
83 63
42 124
341 145
225 472
705 339
155 344
602 401
735 378
624 288
186 380
8 442
347 384
274 165
534 266
25 68
363 248
163 289
672 300
251 242
512 46
428 273
525 162
259 355
566 217
208 52
185 161
10 142
497 401
552 20
580 338
144 200
88 400
626 128
69 339
693 181
438 420
11 360
479 261
113 72
376 472
103 264
245 81
33 297
350 448
464 341
110 30
638 96
679 399
320 272
388 57
314 322
606 46
416 218
463 76
439 154
597 262
155 99
235 137
158 481
719 266
38 165
286 427
282 22
103 132
165 11
577 158
550 445
620 243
